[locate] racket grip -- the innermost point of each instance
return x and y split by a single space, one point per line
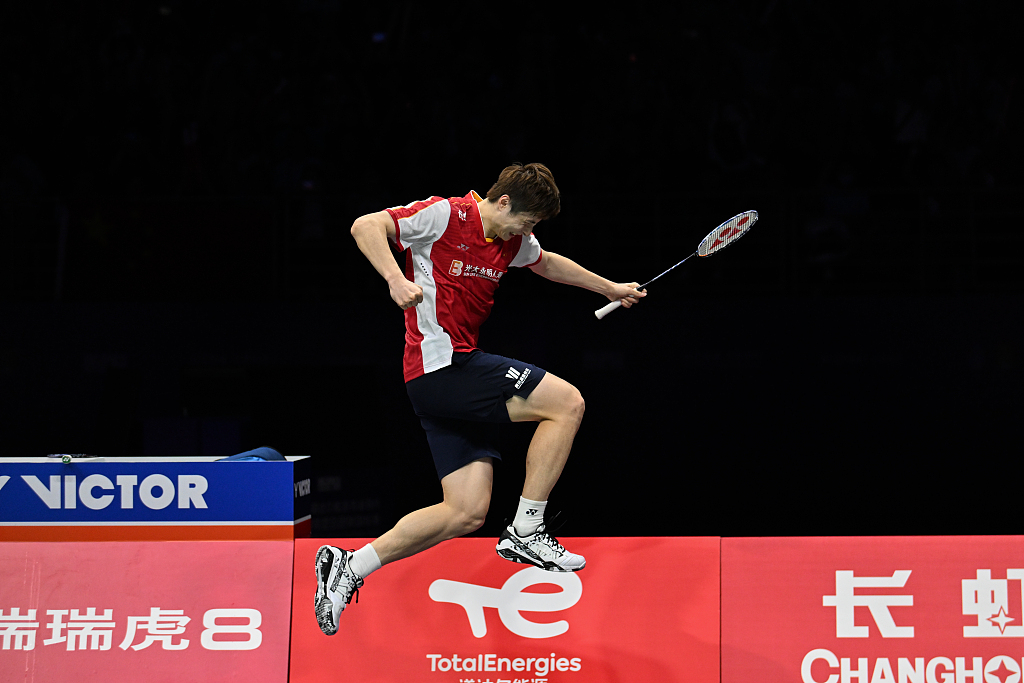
602 312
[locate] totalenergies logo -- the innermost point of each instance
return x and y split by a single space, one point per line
511 601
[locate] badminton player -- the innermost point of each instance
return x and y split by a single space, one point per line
457 252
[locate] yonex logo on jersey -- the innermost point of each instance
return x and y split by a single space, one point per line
519 376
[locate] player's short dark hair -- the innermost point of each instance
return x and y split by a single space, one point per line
532 189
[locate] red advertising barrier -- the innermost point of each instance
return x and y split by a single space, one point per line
644 609
873 610
152 611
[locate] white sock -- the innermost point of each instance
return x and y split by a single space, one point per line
364 561
529 516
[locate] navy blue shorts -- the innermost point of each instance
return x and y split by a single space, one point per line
461 406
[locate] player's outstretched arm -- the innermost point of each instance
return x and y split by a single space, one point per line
371 233
558 268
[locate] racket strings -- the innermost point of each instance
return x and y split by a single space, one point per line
727 233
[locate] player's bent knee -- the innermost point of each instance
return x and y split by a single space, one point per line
469 515
553 399
575 406
568 398
475 523
470 521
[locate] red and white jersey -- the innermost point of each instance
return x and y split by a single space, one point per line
458 269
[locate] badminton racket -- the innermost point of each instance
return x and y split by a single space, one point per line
717 240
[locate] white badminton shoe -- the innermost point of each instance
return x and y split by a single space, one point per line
336 583
540 549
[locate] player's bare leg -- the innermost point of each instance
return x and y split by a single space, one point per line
340 573
467 496
557 407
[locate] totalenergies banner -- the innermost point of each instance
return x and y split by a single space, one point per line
644 609
873 610
154 611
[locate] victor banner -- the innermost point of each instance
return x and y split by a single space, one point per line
154 611
873 610
153 499
643 609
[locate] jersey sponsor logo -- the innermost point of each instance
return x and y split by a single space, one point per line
464 269
462 209
520 377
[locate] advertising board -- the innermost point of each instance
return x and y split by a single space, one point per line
643 609
155 611
188 498
936 609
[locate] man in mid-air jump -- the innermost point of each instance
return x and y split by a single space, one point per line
457 251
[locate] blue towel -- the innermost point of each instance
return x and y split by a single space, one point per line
261 454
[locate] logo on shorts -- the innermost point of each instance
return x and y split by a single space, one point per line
520 377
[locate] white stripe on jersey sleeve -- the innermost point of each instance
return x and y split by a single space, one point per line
529 253
426 225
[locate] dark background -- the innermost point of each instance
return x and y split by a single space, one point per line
177 181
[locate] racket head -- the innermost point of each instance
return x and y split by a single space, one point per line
727 233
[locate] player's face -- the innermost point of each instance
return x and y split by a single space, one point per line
511 224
